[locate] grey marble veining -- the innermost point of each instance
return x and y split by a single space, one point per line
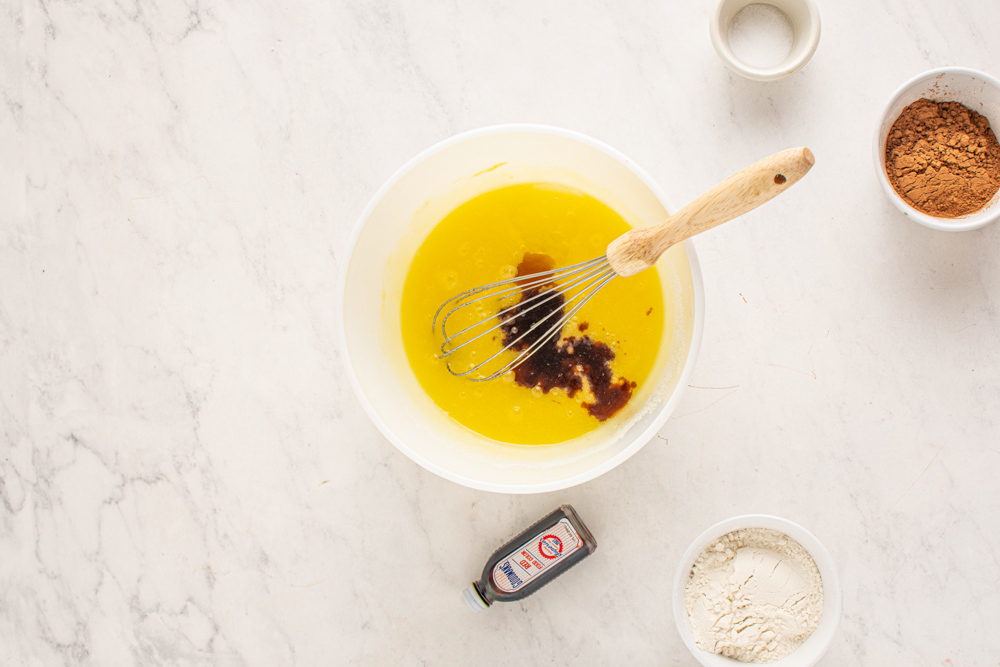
185 475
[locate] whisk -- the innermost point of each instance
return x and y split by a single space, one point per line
566 290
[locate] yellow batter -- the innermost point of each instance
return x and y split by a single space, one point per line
484 240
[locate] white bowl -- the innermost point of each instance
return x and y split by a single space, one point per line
813 648
976 90
382 245
804 18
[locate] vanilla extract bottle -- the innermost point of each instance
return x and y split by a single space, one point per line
538 555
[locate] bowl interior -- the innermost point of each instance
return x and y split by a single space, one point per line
392 229
813 648
976 90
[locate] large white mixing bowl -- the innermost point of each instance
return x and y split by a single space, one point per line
383 243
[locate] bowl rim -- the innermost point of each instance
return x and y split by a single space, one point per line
780 71
821 556
969 222
665 411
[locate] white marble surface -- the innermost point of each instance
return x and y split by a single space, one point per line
185 475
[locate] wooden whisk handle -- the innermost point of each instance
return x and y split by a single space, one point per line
744 191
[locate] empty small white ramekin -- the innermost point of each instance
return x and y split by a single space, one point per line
802 14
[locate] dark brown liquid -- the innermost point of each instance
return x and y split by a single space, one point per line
556 363
534 263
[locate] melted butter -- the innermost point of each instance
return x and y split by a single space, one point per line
486 239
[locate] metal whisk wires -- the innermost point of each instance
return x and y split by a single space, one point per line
576 285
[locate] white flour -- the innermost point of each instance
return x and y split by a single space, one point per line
754 595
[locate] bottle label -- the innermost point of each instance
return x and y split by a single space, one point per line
535 556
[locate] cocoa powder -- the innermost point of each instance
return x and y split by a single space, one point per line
943 158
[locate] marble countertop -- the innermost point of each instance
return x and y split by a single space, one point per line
185 475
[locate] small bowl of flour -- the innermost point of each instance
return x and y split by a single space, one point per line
757 589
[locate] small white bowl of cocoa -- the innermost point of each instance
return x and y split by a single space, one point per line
936 152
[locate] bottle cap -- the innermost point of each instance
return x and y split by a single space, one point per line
474 599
